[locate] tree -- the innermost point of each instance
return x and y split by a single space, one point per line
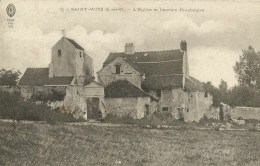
9 77
223 86
248 67
215 92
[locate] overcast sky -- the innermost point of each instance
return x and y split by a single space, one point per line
215 35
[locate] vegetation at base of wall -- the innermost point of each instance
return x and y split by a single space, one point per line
154 119
12 106
44 97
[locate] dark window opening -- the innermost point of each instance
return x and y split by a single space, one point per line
158 93
164 108
59 52
206 94
147 111
80 54
117 69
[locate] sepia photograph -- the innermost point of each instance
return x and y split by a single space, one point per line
129 82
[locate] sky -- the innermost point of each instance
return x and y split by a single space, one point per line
215 31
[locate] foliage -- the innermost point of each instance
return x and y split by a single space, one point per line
12 106
54 95
9 77
215 92
236 96
248 67
154 120
243 96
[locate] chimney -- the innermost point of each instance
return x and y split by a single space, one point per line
183 48
183 45
129 48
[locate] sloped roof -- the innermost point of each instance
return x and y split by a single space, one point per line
192 84
147 56
123 88
162 82
40 77
162 69
75 44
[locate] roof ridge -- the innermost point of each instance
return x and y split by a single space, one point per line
147 51
37 68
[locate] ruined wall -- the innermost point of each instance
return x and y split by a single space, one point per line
75 103
190 105
132 106
213 113
127 72
64 64
240 112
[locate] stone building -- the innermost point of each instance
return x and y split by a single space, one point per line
70 75
164 75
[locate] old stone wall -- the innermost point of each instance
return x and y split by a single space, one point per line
132 106
191 106
75 103
127 72
240 112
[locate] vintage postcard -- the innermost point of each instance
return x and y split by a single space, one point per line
129 82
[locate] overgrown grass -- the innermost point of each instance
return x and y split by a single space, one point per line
64 144
153 120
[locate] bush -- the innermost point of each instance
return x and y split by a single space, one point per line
154 119
12 106
44 97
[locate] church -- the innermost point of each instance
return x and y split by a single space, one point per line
131 83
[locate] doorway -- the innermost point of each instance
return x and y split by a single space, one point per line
93 110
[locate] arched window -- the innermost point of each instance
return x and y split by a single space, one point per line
59 52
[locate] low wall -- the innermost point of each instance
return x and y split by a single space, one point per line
240 112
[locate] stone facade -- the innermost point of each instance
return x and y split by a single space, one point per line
135 107
108 73
67 60
240 112
191 105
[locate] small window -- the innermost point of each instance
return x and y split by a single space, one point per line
59 52
147 111
158 93
117 69
164 109
80 54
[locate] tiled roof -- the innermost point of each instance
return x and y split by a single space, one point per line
162 69
192 84
75 44
39 77
162 82
123 88
147 56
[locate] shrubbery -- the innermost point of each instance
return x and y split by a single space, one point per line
12 106
154 119
44 97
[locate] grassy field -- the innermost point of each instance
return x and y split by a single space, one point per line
65 144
